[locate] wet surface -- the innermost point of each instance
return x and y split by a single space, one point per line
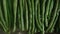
19 32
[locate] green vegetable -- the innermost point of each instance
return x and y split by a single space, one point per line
52 21
27 16
38 25
21 7
46 14
15 11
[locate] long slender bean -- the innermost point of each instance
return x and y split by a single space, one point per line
39 25
5 11
1 19
15 11
8 14
33 22
38 14
55 21
3 26
30 16
50 25
19 18
21 7
51 7
43 11
26 16
46 15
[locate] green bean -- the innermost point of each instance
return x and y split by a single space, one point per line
26 16
46 15
55 21
19 18
30 13
50 25
39 17
22 22
35 30
38 25
52 29
33 22
15 11
3 26
51 7
8 13
30 16
43 11
5 11
2 23
38 14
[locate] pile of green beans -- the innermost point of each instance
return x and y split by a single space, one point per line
30 15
